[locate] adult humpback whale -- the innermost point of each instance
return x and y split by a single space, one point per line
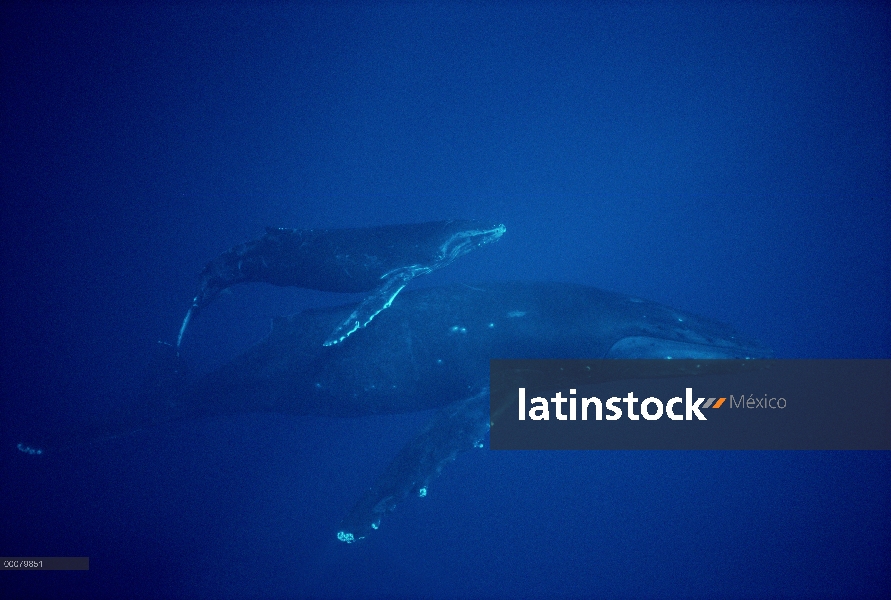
430 350
380 260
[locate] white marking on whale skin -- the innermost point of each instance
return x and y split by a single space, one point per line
464 241
355 324
29 449
182 329
349 538
516 313
408 272
457 329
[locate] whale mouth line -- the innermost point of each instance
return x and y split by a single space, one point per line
463 242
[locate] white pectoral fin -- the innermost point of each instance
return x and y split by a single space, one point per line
457 427
380 299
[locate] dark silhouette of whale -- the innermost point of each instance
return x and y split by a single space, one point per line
380 260
430 350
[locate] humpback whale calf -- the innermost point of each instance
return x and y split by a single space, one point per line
379 260
430 350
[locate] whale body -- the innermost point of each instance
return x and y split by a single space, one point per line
380 260
430 350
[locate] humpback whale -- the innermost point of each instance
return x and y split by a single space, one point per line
379 260
430 350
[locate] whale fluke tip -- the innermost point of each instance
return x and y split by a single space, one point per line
182 329
30 450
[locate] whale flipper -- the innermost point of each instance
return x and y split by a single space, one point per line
380 260
457 427
428 349
378 300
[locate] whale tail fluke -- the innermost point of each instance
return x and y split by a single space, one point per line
158 395
182 330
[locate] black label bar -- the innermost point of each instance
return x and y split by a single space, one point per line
45 563
761 404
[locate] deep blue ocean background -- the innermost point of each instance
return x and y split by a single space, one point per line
730 160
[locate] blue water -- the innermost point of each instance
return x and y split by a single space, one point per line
728 160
